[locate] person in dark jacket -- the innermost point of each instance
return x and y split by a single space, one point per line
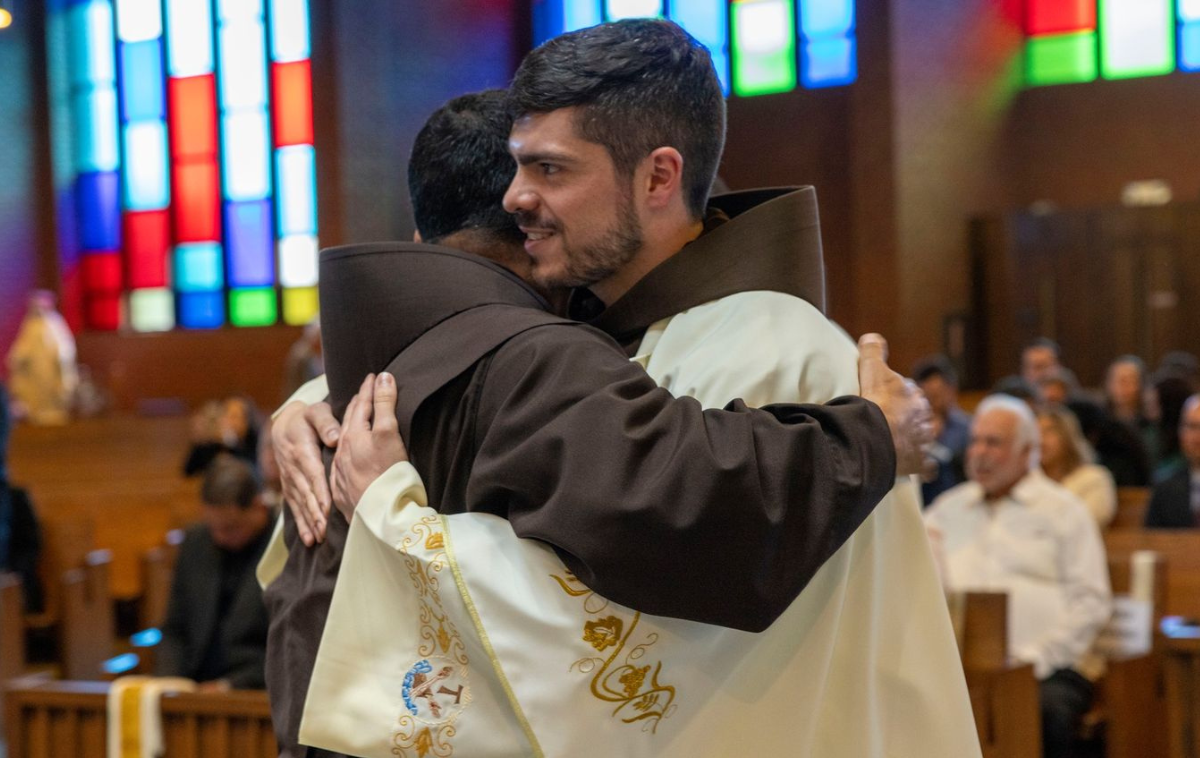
20 534
216 628
1175 502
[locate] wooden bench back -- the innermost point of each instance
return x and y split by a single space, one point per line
1131 508
1181 551
88 624
56 719
158 570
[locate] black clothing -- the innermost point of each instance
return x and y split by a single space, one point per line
216 624
1171 503
21 543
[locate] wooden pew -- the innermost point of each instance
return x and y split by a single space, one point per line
209 724
1182 673
158 569
1130 706
59 719
65 545
12 635
1181 550
1131 508
88 623
1004 695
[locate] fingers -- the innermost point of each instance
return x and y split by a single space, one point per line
385 404
300 516
872 346
320 417
358 413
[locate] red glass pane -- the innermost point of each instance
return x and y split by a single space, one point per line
102 272
147 238
292 103
104 312
1055 16
196 203
193 104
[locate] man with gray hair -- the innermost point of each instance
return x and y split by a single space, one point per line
1011 529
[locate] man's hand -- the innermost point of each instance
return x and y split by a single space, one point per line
904 405
297 435
370 442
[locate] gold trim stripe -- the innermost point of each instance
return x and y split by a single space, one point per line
487 643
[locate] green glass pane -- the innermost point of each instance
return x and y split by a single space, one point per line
1137 38
1060 59
252 307
764 47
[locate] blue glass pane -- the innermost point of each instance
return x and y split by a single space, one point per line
289 30
826 18
147 184
704 19
246 157
547 20
721 63
578 14
1189 47
98 211
90 31
296 195
828 63
189 37
201 310
94 129
142 81
250 244
198 267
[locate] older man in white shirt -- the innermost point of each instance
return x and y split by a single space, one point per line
1012 529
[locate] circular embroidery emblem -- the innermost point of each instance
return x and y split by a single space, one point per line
435 690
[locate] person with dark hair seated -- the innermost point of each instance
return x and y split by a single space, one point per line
952 426
20 535
216 628
1118 447
1175 502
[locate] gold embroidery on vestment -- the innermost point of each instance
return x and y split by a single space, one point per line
415 735
623 683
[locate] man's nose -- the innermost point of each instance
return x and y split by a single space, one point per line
519 197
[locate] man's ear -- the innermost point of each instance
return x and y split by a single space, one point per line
664 178
417 236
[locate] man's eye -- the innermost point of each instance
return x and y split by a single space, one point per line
549 169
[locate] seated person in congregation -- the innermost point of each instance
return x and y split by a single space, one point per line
216 628
1175 502
229 426
1011 529
20 535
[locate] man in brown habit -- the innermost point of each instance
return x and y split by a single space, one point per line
546 422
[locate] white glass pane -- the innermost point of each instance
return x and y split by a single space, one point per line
298 261
247 156
152 310
139 20
145 166
189 37
243 56
289 31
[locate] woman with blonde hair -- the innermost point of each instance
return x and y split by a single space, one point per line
1068 459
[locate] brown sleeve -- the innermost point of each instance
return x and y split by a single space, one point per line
720 516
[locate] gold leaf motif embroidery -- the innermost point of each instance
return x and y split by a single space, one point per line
636 691
435 541
632 679
444 638
603 633
413 740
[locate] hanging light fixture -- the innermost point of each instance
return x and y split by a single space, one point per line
5 15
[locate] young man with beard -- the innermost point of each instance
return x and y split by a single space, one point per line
556 431
618 135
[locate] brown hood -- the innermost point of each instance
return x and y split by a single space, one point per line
770 241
